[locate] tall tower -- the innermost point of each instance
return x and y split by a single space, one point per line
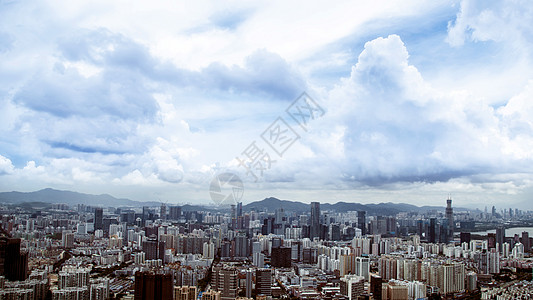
239 209
315 220
432 223
163 212
449 217
361 221
98 218
150 285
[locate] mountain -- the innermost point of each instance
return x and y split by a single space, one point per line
271 204
70 198
268 204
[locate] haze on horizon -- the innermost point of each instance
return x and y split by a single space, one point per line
149 101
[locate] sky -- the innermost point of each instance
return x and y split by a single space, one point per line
382 101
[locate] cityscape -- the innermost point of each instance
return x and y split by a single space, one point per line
220 150
262 251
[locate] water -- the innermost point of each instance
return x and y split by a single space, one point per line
509 232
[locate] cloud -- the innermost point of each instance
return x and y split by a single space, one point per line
6 41
6 167
393 127
499 21
91 97
229 19
263 72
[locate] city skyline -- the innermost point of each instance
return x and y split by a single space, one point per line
309 251
409 102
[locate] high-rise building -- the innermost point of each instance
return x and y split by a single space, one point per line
248 286
242 247
152 286
100 291
13 262
98 218
352 286
258 260
161 251
67 239
281 257
347 264
362 267
211 295
471 281
73 277
432 225
376 283
315 220
361 221
335 232
397 290
263 284
452 278
239 209
71 293
233 217
465 237
500 237
163 212
150 248
525 241
185 293
449 217
225 281
175 212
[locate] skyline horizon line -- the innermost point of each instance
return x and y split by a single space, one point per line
210 203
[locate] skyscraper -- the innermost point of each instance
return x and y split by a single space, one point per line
432 224
149 285
281 257
98 218
362 267
163 212
361 221
175 212
449 217
239 209
525 241
248 290
500 237
185 293
352 286
13 262
150 248
375 286
315 220
263 283
224 280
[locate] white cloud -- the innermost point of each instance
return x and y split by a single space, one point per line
6 167
499 21
91 97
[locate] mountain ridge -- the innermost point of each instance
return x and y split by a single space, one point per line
270 204
49 195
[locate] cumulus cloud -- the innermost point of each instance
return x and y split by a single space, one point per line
391 127
497 21
6 167
96 99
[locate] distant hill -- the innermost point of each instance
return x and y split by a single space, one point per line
70 198
268 204
271 204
